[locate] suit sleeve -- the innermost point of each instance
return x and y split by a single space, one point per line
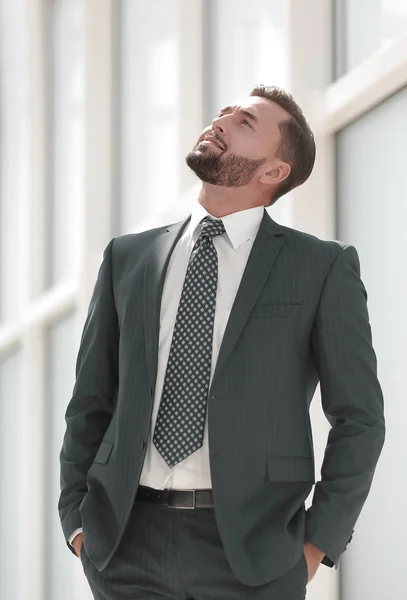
91 407
352 402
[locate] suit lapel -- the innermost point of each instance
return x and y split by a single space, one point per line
266 247
154 277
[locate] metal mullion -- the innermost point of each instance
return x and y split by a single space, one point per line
313 204
191 23
32 415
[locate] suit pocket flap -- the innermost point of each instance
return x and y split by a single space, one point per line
275 310
290 468
103 453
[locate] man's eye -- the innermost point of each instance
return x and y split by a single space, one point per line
248 123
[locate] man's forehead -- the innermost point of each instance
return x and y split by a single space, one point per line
251 101
261 107
247 102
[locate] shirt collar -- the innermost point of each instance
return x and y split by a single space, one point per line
240 226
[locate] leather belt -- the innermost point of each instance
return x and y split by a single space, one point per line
183 499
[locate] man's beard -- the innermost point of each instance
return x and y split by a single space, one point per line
228 171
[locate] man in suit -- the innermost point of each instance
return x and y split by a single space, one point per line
188 452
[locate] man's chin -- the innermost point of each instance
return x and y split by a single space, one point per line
205 177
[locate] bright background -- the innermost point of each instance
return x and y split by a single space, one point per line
100 100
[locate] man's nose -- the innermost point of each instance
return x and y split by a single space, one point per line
218 124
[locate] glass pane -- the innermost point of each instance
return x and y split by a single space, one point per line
61 343
149 156
372 215
246 44
14 164
10 395
364 26
67 148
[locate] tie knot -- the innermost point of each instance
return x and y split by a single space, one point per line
211 227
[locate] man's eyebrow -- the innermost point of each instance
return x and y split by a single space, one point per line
228 109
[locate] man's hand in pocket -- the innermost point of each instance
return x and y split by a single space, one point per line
77 544
313 556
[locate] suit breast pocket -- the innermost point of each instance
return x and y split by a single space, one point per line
282 311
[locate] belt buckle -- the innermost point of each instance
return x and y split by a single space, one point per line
183 507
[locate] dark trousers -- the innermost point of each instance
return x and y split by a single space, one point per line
169 553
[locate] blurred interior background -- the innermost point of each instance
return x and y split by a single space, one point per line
100 101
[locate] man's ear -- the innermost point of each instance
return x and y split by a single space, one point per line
276 174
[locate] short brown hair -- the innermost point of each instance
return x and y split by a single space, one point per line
297 144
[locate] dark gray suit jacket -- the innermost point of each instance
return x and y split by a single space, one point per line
300 316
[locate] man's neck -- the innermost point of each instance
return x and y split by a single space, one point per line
221 201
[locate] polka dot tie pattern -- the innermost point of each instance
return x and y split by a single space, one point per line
179 428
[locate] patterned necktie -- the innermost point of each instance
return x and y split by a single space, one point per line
179 429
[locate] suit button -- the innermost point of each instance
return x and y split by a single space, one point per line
150 391
143 445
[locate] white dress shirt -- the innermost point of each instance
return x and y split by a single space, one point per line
233 249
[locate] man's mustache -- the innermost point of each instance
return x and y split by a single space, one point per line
217 138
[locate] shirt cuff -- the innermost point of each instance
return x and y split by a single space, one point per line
73 536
